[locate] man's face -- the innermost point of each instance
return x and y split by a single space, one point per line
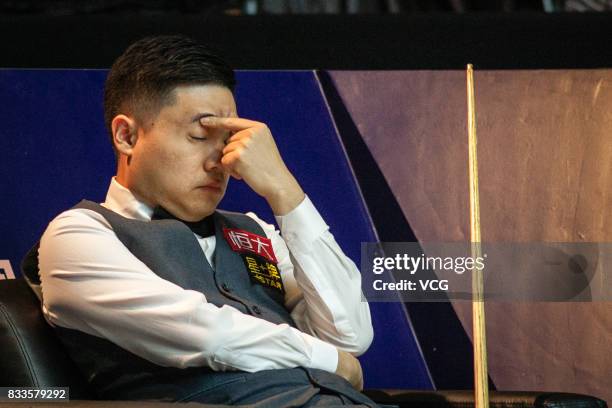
176 162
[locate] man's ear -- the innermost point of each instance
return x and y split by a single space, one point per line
125 134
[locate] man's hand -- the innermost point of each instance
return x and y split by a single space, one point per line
251 154
349 368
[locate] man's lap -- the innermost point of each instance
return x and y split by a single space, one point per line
282 388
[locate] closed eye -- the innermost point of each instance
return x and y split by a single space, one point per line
199 139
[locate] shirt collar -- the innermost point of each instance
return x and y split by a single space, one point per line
121 200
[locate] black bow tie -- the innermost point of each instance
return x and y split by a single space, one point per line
204 228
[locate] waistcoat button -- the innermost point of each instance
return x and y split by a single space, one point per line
256 309
225 287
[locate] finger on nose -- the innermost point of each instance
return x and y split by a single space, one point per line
208 121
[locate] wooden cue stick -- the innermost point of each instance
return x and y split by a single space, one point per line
481 386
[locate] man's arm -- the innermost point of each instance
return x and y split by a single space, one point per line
91 282
335 314
330 283
322 285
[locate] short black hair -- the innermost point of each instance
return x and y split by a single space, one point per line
142 79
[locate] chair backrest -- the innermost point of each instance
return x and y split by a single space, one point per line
32 356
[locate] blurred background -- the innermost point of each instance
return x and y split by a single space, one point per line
256 7
311 34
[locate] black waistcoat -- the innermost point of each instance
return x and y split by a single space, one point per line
170 249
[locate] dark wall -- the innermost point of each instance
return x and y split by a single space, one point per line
414 41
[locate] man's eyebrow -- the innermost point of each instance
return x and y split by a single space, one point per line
197 117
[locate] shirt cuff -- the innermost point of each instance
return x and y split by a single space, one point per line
323 355
303 224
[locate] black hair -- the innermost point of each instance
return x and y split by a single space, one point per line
141 81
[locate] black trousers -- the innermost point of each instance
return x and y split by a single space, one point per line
297 387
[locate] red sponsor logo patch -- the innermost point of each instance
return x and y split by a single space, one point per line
245 241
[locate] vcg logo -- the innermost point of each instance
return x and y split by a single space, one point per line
6 272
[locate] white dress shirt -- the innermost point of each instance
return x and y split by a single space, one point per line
91 282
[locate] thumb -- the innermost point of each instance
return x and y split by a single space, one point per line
230 170
233 173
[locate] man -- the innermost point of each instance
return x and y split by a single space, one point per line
157 295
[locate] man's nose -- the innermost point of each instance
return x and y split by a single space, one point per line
213 160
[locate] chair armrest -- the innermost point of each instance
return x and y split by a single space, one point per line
497 399
111 404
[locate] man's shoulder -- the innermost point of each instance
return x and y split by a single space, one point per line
248 217
238 215
69 230
227 213
77 216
